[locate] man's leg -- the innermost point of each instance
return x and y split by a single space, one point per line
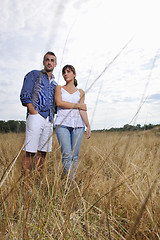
34 129
45 140
27 163
31 160
39 160
45 143
26 170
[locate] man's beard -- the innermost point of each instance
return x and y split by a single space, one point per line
48 70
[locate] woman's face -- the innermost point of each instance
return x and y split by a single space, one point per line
68 75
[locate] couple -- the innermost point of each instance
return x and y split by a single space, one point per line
39 94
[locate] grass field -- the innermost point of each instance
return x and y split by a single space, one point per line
116 194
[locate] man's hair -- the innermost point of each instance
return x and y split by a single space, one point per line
50 53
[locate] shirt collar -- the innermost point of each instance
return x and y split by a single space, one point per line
52 76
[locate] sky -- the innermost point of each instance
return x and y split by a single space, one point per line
113 45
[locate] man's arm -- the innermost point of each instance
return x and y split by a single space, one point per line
26 92
27 88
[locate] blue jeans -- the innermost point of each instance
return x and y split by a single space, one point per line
70 140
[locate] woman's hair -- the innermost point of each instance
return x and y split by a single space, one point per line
73 70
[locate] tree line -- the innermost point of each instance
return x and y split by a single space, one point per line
128 127
20 126
12 126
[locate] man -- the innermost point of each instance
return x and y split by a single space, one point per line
37 95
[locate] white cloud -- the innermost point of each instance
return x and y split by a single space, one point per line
87 34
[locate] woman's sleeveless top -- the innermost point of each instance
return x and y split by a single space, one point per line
69 117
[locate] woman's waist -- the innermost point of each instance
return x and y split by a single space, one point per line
68 112
68 116
71 122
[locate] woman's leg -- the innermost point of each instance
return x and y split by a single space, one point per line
77 136
64 138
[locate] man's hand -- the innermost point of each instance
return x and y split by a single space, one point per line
31 109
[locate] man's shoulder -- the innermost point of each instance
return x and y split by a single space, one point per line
33 73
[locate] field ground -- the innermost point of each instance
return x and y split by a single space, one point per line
116 194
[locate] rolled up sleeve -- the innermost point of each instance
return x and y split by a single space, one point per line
27 88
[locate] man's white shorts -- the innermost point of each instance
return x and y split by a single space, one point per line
38 134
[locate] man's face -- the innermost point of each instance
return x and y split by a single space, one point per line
49 63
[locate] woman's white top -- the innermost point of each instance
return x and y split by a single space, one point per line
69 117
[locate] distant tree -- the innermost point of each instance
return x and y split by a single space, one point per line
4 127
138 127
128 127
13 125
22 126
149 126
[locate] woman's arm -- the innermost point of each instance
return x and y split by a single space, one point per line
64 104
84 115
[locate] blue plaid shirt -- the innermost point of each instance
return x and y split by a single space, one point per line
38 90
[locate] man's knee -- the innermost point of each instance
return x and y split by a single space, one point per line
41 154
30 155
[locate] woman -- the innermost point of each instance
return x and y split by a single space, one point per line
70 120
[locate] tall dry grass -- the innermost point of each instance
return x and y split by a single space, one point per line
116 194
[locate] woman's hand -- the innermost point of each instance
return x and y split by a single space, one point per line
82 106
88 132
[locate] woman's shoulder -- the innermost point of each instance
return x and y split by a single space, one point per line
81 91
58 87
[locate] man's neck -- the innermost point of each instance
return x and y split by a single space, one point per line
49 74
